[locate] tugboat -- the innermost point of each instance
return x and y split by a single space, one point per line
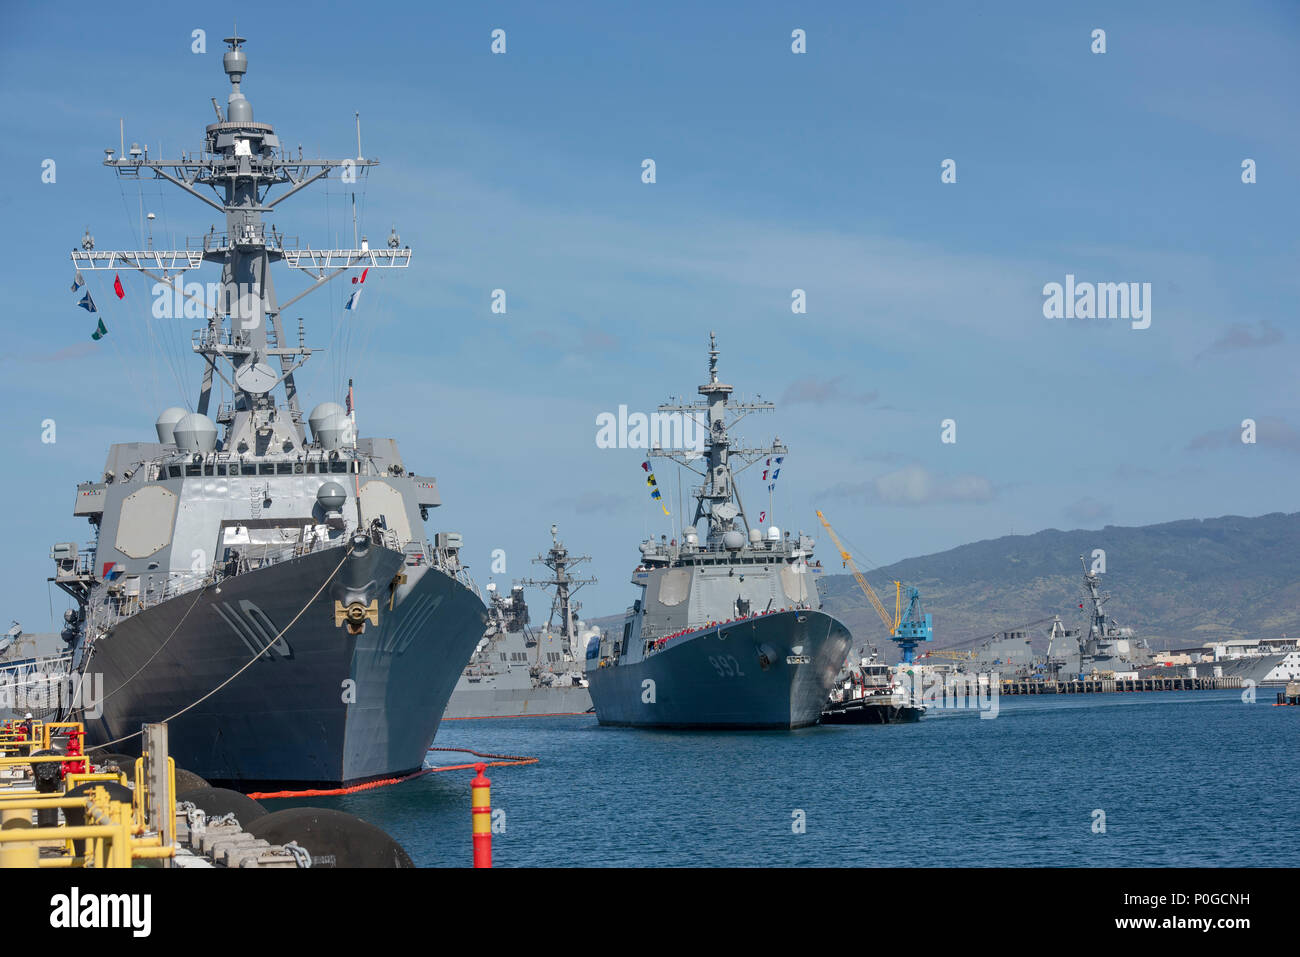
872 694
727 630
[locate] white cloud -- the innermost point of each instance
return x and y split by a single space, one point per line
916 485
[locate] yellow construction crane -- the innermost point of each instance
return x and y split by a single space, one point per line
890 623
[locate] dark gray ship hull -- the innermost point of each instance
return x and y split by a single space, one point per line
715 679
322 708
488 701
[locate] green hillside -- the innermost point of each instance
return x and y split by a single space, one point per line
1182 582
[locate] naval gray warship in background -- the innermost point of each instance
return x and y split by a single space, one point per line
521 670
728 632
1108 647
272 596
32 669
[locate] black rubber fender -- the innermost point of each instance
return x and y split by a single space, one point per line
332 838
218 801
189 781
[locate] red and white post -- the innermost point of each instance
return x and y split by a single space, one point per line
481 789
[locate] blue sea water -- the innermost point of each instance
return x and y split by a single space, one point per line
1183 779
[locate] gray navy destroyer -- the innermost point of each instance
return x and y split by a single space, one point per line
521 669
271 594
728 631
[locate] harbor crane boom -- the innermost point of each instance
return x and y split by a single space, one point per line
890 623
907 632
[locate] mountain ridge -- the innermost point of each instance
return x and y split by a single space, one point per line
1178 583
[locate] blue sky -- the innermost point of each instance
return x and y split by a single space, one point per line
775 171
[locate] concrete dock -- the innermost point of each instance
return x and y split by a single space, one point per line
1116 685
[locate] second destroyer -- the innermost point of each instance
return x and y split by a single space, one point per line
726 632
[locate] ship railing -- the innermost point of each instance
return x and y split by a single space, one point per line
180 583
207 338
214 242
385 538
33 671
784 549
455 570
274 554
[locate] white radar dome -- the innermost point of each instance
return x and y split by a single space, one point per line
320 414
166 424
331 431
331 496
195 433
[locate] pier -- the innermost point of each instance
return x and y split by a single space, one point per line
1117 685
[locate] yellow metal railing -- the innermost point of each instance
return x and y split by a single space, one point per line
109 835
113 832
48 730
142 792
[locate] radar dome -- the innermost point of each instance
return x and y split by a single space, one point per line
331 496
755 536
195 432
320 414
733 540
773 534
239 110
166 424
329 433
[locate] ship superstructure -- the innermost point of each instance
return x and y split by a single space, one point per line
263 582
727 630
521 668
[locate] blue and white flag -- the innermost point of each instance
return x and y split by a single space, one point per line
87 303
357 281
77 281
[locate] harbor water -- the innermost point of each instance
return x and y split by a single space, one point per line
1182 779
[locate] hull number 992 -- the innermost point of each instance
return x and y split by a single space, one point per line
726 666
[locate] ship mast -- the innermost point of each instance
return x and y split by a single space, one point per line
559 561
1099 620
242 161
717 498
